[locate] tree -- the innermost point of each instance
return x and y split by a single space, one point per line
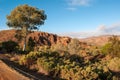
30 44
25 19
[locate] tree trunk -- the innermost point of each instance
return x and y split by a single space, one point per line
24 45
24 31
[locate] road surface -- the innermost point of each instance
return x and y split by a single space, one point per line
6 73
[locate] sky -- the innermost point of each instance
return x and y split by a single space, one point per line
74 18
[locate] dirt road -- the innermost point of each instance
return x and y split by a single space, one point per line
12 71
6 73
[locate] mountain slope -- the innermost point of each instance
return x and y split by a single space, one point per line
41 38
99 40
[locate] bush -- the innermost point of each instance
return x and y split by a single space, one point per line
10 46
115 46
74 46
105 48
114 64
112 47
32 56
59 47
70 67
0 46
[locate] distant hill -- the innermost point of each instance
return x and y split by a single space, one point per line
98 40
41 38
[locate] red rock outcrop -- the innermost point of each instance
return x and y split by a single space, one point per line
41 38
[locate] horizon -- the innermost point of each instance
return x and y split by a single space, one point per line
74 18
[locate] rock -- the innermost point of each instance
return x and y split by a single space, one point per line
40 38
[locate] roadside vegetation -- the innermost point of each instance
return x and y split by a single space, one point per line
75 61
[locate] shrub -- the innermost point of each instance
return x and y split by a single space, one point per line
29 59
112 47
10 46
74 46
0 46
70 67
44 48
115 46
114 64
105 48
59 47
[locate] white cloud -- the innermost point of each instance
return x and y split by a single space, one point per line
78 34
101 27
74 4
101 30
79 2
113 29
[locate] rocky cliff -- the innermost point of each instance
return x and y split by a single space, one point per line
41 38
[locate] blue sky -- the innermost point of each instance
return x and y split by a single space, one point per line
75 18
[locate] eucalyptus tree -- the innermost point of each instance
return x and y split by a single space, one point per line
25 18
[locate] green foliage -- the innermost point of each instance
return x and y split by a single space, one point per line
19 35
74 46
25 18
0 46
114 64
46 64
10 46
59 47
105 48
44 48
30 44
29 58
112 47
103 71
115 46
70 67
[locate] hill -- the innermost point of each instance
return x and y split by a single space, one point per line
44 38
98 40
41 38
